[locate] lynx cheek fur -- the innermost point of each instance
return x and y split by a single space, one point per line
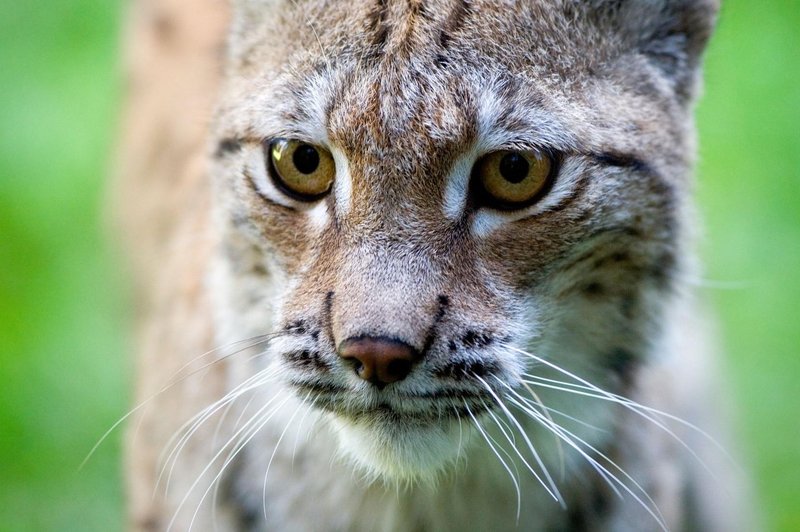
443 247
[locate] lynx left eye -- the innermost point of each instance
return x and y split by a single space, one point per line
301 170
511 179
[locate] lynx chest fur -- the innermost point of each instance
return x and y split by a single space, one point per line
416 265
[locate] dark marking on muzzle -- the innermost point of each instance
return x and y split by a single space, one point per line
306 359
443 303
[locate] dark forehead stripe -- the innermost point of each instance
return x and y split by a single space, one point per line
415 27
380 28
455 19
376 109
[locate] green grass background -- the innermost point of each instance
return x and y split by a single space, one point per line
64 371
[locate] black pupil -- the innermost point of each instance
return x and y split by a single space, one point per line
514 167
306 159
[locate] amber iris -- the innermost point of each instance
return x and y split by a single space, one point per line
512 179
302 170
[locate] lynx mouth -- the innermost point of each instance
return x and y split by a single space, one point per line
417 409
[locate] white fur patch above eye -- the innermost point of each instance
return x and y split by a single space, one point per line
505 122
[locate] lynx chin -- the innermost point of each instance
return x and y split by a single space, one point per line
418 265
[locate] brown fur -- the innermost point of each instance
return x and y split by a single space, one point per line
403 91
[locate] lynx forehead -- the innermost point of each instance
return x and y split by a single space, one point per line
448 242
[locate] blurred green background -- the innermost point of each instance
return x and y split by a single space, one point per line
64 371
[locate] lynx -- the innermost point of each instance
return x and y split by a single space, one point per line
414 265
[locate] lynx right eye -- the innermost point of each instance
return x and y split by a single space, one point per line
513 179
301 170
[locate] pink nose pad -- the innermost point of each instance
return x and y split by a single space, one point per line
380 361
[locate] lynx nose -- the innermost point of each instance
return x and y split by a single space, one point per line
380 361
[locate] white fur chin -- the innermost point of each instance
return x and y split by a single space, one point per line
403 455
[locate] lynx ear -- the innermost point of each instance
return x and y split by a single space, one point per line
672 34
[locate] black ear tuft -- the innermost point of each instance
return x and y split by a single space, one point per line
672 34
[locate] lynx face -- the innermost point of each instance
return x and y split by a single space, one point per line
432 202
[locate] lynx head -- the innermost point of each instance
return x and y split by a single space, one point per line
431 200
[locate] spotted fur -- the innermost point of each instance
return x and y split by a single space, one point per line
407 95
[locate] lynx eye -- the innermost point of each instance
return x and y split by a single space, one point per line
510 180
301 170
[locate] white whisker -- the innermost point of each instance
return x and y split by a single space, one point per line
553 489
258 339
546 412
571 418
519 454
254 341
634 407
489 441
250 429
275 450
639 406
309 406
188 429
460 434
570 439
630 405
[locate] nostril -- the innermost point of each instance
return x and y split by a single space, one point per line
362 370
379 360
398 369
